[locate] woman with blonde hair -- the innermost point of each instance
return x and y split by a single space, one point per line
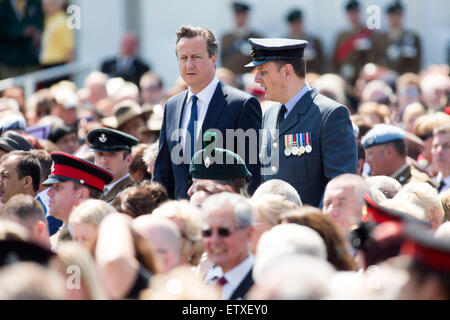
85 219
187 218
266 213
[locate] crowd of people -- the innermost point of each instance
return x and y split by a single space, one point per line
127 189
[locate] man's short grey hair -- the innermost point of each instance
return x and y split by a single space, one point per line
283 240
280 187
388 185
241 207
360 185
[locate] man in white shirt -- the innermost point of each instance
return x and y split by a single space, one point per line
207 104
226 231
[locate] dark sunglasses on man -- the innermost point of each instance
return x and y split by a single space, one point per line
222 232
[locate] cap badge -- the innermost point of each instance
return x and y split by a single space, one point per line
102 138
207 162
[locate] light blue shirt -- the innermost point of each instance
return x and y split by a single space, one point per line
291 103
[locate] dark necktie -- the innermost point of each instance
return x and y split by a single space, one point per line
281 114
190 127
222 281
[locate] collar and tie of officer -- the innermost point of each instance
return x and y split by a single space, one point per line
191 126
281 115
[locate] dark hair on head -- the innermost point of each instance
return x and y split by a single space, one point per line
299 66
142 199
238 185
400 147
93 193
337 250
45 160
192 32
138 163
26 208
27 165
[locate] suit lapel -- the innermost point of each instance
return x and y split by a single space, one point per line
117 188
244 287
215 109
299 109
179 111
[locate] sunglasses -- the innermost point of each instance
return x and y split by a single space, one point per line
222 232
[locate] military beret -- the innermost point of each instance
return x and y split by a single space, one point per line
352 5
395 7
12 140
294 15
426 250
67 167
59 131
217 164
382 134
240 7
269 49
110 140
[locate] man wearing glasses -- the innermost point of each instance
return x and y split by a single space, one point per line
227 229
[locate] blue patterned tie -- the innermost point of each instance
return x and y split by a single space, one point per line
190 127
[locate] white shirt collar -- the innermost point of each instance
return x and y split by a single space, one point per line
206 94
112 185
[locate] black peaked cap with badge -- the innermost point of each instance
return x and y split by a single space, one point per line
217 164
270 49
240 7
67 167
110 140
352 5
395 7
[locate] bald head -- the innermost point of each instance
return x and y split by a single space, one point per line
164 236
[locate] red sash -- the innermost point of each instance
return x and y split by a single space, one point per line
348 46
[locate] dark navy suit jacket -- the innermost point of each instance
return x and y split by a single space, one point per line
334 150
229 108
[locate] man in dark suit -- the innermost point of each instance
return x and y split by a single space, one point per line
227 229
307 138
208 104
127 65
112 150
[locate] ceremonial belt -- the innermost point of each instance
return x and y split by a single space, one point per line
347 47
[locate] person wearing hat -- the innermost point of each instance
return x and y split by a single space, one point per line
356 46
307 138
207 104
11 141
235 51
386 154
71 181
65 138
219 166
428 264
403 50
112 149
128 116
314 50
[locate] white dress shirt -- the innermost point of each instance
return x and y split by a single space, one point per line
204 98
235 276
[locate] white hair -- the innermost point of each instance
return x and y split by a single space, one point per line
241 207
286 239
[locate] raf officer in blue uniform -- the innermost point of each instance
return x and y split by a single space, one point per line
308 138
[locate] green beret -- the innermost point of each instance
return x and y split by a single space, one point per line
217 164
